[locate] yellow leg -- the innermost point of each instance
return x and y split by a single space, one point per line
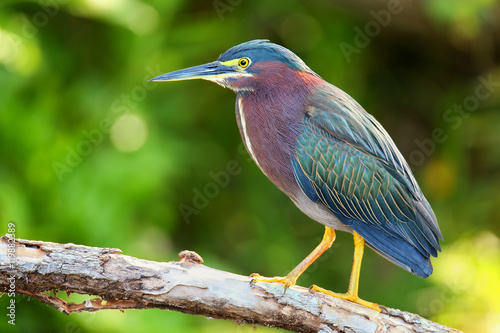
291 278
352 292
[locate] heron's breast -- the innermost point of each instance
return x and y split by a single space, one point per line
269 137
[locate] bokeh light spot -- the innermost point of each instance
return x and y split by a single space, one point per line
18 54
139 17
129 133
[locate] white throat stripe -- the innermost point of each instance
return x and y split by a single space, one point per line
243 122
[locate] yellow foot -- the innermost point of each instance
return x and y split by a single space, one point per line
287 281
349 297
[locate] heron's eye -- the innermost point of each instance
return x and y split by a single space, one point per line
244 62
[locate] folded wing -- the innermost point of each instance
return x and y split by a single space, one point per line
346 160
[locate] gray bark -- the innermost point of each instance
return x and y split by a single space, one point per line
116 281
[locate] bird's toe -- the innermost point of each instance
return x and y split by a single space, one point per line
347 296
287 281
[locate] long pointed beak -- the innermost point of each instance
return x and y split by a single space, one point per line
210 71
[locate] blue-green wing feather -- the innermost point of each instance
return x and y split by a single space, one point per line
345 159
340 115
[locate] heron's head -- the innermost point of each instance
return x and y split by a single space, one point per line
244 66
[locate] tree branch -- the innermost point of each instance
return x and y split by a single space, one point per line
123 282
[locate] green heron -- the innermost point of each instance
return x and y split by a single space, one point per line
332 158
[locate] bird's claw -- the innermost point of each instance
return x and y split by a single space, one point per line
347 296
277 279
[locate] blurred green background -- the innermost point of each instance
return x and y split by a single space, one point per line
93 154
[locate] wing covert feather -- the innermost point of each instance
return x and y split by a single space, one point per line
364 193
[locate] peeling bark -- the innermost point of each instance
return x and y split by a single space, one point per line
116 281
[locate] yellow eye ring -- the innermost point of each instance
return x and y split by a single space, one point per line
244 62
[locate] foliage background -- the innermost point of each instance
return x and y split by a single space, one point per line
70 70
